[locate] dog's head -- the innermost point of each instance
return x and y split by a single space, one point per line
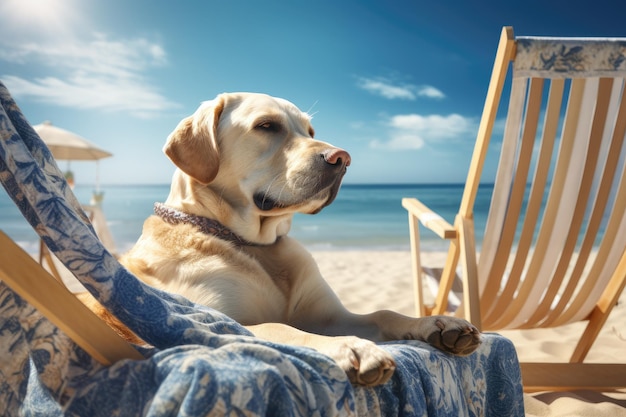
248 159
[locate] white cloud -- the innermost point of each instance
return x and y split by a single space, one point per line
430 91
386 90
400 141
433 126
413 131
93 73
390 90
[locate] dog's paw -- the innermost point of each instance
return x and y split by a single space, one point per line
451 334
365 363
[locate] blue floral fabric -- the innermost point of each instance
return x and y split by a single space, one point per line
558 57
203 363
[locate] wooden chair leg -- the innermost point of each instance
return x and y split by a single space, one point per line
471 298
448 276
418 288
601 312
45 256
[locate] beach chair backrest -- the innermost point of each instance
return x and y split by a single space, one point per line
556 228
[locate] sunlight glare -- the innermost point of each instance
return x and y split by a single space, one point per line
38 16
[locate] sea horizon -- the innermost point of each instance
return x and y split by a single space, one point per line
362 217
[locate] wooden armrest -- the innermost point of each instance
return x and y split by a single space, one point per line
33 283
429 218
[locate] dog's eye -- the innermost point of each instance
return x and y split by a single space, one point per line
269 126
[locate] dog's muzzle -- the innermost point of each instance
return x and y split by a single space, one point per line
325 177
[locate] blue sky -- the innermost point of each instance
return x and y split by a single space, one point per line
399 84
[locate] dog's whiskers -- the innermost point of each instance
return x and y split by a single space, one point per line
268 188
308 112
280 193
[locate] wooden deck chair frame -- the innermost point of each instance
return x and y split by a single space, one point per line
34 284
553 275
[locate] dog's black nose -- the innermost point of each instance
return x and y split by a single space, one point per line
337 156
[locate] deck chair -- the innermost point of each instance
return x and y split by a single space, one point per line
553 250
59 359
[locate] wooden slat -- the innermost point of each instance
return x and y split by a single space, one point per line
490 283
539 376
504 55
27 278
514 206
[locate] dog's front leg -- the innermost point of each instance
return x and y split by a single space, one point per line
325 315
363 361
449 334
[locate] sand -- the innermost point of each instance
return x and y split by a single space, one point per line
372 280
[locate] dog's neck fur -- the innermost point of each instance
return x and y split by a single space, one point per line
208 201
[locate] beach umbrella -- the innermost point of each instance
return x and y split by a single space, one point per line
69 146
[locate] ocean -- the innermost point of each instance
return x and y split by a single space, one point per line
361 217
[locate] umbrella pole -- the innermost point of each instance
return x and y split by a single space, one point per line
69 175
97 176
97 196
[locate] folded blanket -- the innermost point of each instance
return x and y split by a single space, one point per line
203 362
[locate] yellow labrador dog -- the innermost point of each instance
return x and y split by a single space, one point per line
245 164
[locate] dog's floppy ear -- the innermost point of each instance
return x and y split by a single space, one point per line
193 147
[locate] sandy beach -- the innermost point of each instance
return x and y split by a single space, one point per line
371 280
